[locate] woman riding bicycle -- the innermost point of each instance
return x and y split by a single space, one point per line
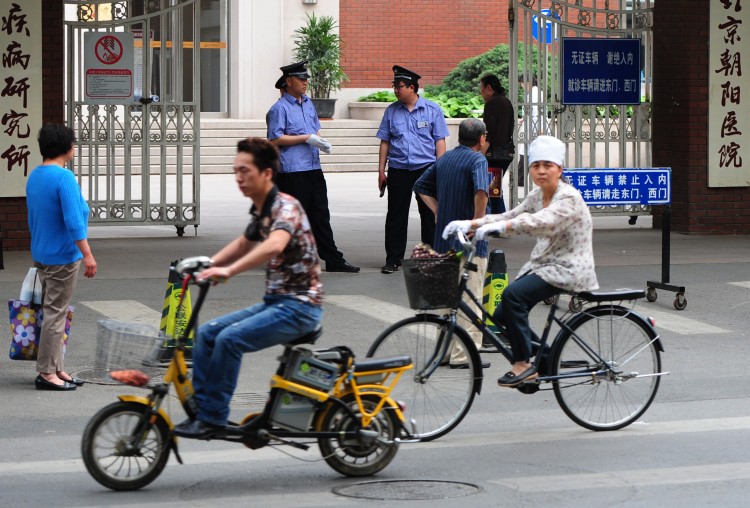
562 259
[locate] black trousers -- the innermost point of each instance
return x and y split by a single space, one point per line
400 189
519 298
310 189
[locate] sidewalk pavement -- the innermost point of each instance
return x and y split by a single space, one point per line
358 217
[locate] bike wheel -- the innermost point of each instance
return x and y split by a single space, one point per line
356 456
437 404
107 453
616 397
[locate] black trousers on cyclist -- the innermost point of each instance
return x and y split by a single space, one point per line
518 299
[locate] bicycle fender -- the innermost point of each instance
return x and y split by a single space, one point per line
473 353
574 321
144 401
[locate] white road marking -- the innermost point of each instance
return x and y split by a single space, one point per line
238 455
745 284
703 473
674 322
371 307
126 310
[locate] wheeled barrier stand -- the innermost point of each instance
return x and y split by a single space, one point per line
495 282
680 302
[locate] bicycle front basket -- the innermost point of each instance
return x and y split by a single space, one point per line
431 283
121 345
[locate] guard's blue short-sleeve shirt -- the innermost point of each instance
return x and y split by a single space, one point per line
290 117
412 134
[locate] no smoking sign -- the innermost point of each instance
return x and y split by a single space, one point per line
108 67
108 50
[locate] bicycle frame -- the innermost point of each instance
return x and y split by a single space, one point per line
357 379
480 322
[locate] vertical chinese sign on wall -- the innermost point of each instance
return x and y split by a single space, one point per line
20 93
729 94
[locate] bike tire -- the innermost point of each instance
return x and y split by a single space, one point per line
628 344
440 403
102 447
355 456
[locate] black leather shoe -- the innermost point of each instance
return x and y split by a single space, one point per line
389 268
511 380
75 381
43 384
196 429
485 365
344 266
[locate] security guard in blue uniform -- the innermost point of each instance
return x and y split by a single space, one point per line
293 126
412 137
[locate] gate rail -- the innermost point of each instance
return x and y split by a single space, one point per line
139 162
595 136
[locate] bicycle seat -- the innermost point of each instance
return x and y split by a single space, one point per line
611 296
308 338
371 364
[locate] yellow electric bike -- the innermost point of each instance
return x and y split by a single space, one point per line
321 395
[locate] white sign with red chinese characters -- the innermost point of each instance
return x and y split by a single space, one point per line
20 93
729 94
108 67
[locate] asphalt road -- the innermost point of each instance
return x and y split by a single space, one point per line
692 447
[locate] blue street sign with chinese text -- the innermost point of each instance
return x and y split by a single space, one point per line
601 71
622 186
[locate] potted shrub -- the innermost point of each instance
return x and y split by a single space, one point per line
319 44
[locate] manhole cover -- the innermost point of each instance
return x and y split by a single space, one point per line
407 490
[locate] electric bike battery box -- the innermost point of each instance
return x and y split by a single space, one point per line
302 367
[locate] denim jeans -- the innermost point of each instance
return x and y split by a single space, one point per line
217 354
518 299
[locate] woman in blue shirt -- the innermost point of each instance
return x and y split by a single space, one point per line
58 222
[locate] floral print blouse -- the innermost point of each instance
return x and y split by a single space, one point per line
563 255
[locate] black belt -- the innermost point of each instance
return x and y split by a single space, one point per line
418 169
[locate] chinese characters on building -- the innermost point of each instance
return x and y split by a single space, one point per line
20 93
627 186
601 71
729 112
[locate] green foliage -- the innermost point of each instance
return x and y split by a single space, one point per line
381 96
454 106
319 44
458 95
465 76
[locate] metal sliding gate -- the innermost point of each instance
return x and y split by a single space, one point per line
138 161
596 136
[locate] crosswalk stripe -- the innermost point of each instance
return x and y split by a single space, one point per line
673 322
745 284
703 473
371 307
455 440
125 310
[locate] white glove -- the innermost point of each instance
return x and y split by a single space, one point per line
457 225
320 143
492 227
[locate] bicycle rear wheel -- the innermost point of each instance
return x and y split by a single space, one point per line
626 384
439 403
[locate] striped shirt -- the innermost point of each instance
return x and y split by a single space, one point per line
454 180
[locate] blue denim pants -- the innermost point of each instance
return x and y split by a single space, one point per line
518 299
217 354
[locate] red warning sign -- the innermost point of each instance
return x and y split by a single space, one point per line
108 50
